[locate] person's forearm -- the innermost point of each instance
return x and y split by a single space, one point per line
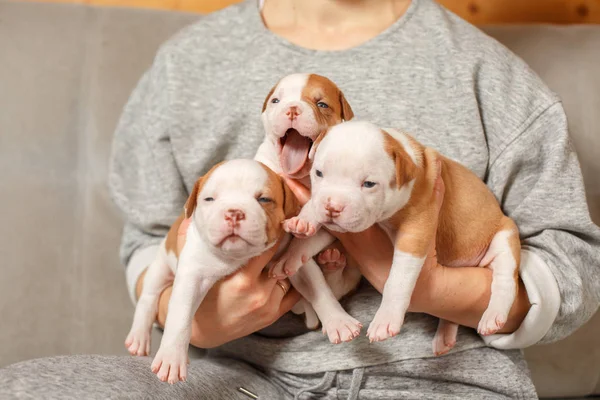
461 295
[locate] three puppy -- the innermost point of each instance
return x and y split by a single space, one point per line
360 175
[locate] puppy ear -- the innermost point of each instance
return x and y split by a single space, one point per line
316 142
406 169
267 98
291 206
347 113
192 201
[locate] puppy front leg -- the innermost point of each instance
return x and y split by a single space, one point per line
305 224
158 277
337 323
189 289
299 252
397 292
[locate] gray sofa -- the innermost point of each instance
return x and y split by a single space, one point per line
65 74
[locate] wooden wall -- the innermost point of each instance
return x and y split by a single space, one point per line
476 11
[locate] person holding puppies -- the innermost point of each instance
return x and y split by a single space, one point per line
407 64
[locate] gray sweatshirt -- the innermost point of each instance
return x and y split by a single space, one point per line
430 74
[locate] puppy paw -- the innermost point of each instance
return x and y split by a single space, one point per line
138 342
287 265
442 343
491 322
331 259
299 227
341 327
170 364
386 324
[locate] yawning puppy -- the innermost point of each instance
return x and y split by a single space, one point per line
237 209
297 110
362 175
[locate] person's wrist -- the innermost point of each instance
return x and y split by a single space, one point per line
430 288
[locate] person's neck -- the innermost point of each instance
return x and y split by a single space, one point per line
331 24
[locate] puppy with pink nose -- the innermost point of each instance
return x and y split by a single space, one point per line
236 209
364 175
297 110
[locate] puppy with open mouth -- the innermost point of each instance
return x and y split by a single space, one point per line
297 110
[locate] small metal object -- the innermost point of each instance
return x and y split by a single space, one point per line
247 393
282 286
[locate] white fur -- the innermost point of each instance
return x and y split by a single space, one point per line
501 261
397 292
337 323
308 283
289 93
352 153
206 257
445 337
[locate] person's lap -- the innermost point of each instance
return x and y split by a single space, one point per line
478 374
124 377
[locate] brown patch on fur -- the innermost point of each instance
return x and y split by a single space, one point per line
268 97
192 201
406 169
469 218
171 240
321 89
284 204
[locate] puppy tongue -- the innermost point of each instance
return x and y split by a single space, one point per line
294 152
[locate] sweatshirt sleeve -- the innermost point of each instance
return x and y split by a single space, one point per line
538 181
144 180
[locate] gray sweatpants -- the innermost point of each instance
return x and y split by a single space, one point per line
488 374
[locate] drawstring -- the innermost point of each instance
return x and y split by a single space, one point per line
357 376
327 381
324 384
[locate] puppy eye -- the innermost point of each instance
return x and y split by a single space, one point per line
319 173
322 105
275 100
264 200
209 199
369 184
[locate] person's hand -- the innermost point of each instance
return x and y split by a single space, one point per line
238 305
374 252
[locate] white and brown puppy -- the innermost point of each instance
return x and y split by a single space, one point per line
297 110
363 175
237 209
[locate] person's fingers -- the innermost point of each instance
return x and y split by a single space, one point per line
288 301
300 191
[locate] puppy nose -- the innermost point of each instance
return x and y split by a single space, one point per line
333 208
234 215
293 112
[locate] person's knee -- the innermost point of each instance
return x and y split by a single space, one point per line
111 377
